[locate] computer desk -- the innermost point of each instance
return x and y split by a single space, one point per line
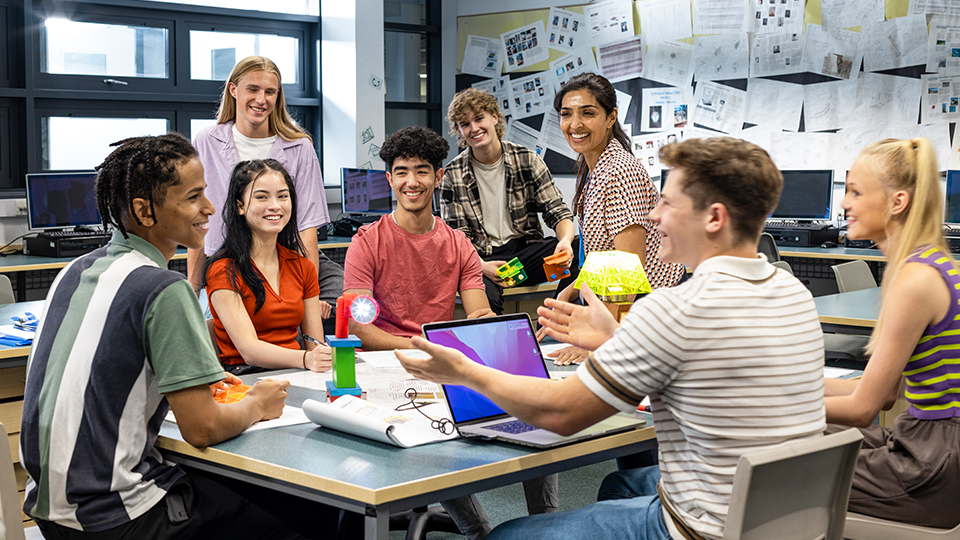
376 479
839 253
853 312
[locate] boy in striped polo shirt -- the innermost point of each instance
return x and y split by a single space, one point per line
121 341
732 359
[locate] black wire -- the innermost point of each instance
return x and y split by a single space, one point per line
443 425
11 242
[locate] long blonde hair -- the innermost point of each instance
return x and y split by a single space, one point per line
280 120
910 166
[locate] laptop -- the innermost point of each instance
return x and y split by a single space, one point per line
507 343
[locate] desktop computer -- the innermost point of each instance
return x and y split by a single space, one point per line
63 247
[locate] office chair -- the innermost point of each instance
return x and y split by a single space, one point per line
794 492
768 247
11 518
6 291
860 527
853 276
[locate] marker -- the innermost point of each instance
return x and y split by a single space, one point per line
311 340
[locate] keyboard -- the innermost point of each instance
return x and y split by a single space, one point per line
804 225
951 230
70 234
512 426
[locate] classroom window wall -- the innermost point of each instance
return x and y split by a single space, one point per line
78 75
412 64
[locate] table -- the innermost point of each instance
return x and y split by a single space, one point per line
838 253
377 480
17 356
853 312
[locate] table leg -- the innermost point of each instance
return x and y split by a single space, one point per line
21 279
376 524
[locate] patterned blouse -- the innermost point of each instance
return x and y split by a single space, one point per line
619 193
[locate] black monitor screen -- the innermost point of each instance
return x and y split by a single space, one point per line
366 191
952 211
806 195
58 200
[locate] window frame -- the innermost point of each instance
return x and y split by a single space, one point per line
431 30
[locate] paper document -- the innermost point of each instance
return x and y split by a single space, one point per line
500 89
364 419
896 43
524 46
522 134
776 54
719 107
723 57
622 60
840 14
663 108
664 20
865 131
775 16
774 103
567 30
836 373
647 149
609 21
532 95
950 8
943 45
669 62
829 105
551 138
793 150
291 416
939 98
834 53
623 105
718 16
887 99
569 65
482 57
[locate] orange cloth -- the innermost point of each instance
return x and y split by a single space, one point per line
279 319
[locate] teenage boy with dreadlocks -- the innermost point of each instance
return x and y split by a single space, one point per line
122 341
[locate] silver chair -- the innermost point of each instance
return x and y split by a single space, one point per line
768 246
853 276
795 492
860 527
6 290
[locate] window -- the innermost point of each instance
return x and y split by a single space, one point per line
77 75
412 64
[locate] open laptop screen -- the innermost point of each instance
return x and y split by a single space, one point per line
507 343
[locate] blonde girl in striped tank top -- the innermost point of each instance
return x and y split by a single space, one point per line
910 472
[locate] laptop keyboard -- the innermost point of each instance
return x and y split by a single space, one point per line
512 426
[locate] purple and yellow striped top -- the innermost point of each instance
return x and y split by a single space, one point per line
933 372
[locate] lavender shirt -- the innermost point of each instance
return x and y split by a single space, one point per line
219 156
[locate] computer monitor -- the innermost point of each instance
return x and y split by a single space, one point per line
59 200
951 212
806 195
663 178
365 191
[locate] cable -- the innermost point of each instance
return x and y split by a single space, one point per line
2 254
443 425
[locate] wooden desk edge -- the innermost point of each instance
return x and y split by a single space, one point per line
847 321
407 489
826 255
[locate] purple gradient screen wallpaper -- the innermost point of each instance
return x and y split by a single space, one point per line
508 346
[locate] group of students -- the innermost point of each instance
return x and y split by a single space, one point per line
731 359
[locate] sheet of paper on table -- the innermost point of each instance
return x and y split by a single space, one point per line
291 416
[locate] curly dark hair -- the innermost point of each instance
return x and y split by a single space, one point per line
238 242
141 167
415 142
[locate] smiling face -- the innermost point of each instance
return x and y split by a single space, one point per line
866 203
183 216
266 204
587 127
479 129
256 97
413 181
681 225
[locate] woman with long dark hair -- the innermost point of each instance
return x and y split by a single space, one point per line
614 193
262 289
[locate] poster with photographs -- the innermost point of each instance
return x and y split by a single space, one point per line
482 57
776 54
647 149
834 53
500 88
532 95
939 99
524 47
566 30
569 65
663 109
609 21
943 47
776 16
